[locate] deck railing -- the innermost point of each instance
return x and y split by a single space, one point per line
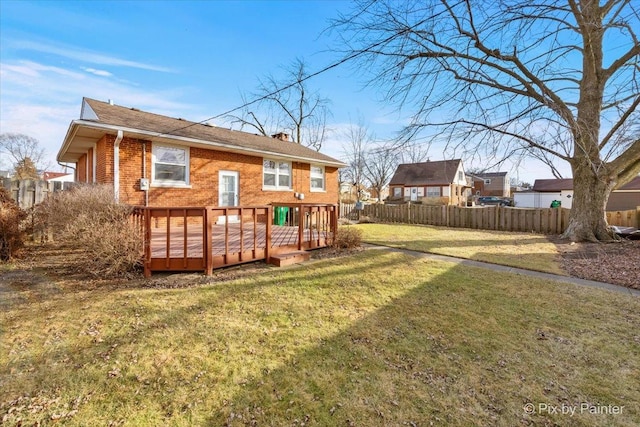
204 238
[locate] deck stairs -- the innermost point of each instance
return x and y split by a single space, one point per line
289 258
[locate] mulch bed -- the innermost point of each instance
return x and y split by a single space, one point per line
617 262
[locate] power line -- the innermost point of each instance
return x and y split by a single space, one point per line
275 92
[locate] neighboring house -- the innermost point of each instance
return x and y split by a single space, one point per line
58 180
156 160
58 176
626 197
545 191
439 182
491 184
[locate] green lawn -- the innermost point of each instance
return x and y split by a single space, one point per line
522 250
377 338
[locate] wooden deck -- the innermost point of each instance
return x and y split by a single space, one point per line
249 239
204 238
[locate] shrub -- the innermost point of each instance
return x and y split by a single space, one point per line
347 238
88 218
11 218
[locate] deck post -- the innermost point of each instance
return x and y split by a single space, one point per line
147 242
208 240
334 224
267 247
301 214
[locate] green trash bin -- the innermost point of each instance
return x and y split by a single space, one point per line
280 215
556 204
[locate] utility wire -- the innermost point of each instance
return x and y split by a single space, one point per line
275 92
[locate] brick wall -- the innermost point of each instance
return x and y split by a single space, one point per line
204 169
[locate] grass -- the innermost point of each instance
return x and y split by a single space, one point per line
377 338
522 250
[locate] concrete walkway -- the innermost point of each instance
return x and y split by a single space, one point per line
503 268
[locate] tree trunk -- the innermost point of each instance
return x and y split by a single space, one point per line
587 221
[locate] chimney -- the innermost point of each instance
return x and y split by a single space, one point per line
281 136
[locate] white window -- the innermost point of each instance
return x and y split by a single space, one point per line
276 175
317 178
170 165
433 191
397 191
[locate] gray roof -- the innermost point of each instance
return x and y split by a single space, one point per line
440 172
155 127
567 184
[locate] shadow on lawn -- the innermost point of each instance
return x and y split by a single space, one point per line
459 346
444 352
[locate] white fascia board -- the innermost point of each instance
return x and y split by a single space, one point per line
181 140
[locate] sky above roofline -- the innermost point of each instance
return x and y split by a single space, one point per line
181 59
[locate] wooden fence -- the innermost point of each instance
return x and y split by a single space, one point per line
539 220
629 218
28 192
546 221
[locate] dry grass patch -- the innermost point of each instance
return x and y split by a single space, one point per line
379 338
522 250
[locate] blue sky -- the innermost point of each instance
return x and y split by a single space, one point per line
183 59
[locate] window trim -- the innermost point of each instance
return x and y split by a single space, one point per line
166 182
324 179
277 186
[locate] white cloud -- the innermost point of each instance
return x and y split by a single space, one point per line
83 55
40 100
101 73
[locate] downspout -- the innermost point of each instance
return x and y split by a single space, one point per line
144 171
116 166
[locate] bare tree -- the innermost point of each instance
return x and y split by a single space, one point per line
413 153
355 156
288 105
380 164
559 77
24 152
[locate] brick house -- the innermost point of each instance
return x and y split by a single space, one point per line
156 160
438 183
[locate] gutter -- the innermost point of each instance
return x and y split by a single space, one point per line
203 144
116 165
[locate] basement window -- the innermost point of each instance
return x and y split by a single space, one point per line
169 166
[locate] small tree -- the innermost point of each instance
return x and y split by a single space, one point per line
380 164
289 105
25 153
355 155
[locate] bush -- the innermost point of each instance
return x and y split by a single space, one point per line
88 218
11 218
347 238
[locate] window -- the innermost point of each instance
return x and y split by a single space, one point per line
276 175
433 191
397 191
317 178
170 165
487 181
460 176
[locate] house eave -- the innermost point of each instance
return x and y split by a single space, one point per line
65 156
